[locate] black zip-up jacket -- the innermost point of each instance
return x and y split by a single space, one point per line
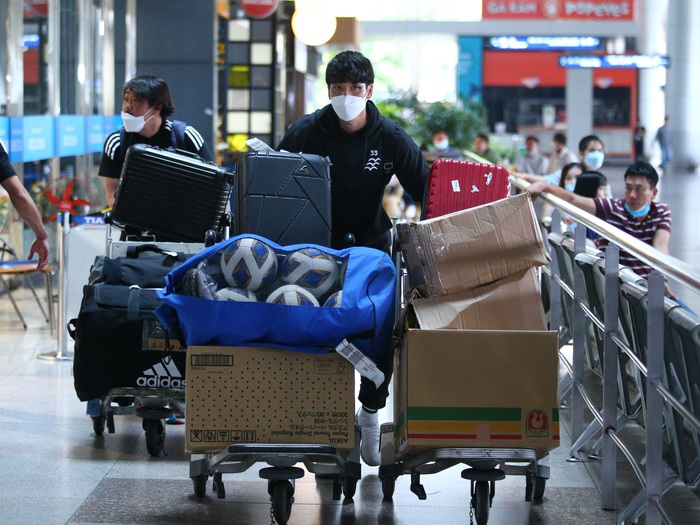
359 170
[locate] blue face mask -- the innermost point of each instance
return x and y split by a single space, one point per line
570 186
641 212
594 159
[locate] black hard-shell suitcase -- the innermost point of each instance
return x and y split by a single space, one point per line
172 194
284 197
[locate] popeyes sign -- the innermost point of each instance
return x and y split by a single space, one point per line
259 8
558 9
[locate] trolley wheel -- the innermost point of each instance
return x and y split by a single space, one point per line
155 436
481 501
349 486
98 424
200 485
540 484
282 499
388 486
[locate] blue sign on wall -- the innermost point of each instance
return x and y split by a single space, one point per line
95 133
614 61
70 135
37 137
469 71
5 132
112 123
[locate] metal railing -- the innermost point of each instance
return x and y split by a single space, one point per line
654 475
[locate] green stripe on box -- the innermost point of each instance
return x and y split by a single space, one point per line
555 415
464 414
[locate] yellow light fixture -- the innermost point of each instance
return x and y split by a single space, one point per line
313 24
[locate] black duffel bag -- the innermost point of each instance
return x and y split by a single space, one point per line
119 342
144 265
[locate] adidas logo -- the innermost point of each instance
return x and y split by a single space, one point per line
162 375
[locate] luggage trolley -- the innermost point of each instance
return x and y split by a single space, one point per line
153 186
153 405
456 185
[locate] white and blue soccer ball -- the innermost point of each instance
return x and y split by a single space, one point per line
248 263
335 300
292 295
311 269
234 293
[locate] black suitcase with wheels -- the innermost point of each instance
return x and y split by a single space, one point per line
284 197
170 194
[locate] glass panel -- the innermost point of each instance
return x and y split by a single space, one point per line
260 99
261 76
237 122
238 76
239 30
238 99
261 54
239 53
260 122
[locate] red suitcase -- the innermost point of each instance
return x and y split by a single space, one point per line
455 185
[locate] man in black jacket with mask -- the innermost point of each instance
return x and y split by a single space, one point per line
365 149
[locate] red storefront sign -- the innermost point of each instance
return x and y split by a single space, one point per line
558 10
259 8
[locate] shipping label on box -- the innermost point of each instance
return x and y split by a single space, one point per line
476 388
472 248
267 395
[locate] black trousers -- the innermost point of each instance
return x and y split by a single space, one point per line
370 396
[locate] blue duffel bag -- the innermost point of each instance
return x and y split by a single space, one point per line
365 316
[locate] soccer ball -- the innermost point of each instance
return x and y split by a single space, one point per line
312 269
292 295
248 263
335 300
235 294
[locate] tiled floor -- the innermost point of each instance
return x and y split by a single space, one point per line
57 471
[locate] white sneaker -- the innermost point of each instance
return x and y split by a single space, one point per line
369 444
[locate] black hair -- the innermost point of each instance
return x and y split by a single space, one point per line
482 136
532 137
153 90
349 66
559 138
585 141
588 182
643 169
566 169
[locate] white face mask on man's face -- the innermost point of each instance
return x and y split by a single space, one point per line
347 107
134 124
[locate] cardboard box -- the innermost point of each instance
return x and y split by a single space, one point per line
474 247
476 388
267 395
513 303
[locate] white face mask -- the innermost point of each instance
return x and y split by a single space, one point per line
442 144
347 107
134 124
594 159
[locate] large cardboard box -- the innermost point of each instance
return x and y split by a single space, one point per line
476 388
474 247
513 303
267 395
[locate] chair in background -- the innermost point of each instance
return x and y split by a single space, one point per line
11 267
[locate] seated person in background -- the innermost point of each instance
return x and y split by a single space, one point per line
637 214
561 156
481 148
569 174
592 154
590 184
533 161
